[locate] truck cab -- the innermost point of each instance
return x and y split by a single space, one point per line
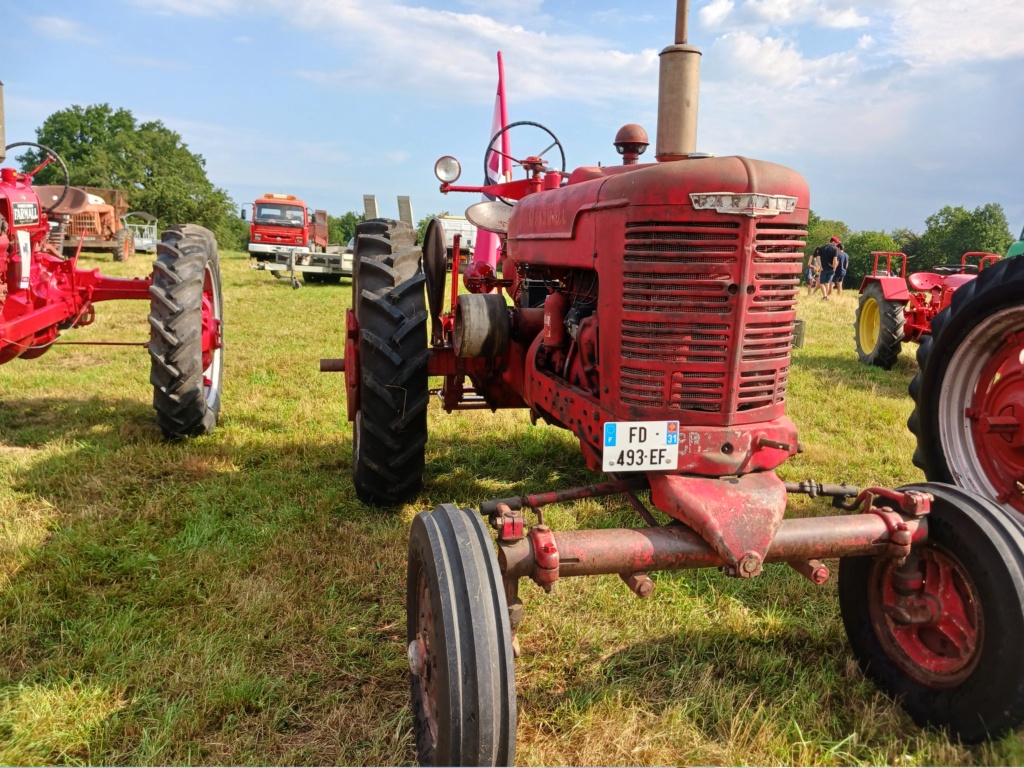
280 225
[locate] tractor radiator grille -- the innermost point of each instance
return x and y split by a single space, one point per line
692 312
83 224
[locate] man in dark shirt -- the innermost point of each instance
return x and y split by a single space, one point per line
829 259
842 262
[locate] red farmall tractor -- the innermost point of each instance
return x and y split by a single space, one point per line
43 294
894 308
650 310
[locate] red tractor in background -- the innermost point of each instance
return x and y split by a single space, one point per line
894 308
43 294
650 310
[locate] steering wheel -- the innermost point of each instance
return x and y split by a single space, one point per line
50 155
955 269
491 150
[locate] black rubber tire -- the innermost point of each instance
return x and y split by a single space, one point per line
390 430
186 395
456 598
330 279
889 338
987 699
401 234
124 245
997 291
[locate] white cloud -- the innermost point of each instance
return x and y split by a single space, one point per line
715 13
57 28
762 14
745 60
942 32
191 7
507 8
848 18
414 47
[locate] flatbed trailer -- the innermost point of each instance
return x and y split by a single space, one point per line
328 267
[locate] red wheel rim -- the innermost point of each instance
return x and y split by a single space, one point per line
352 373
996 414
944 651
211 338
425 632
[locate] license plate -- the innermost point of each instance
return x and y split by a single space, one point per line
637 446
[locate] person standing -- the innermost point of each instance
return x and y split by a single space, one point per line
829 255
842 262
813 271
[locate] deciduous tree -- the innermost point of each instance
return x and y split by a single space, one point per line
859 246
342 228
104 147
953 231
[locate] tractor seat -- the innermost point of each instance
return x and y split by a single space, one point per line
75 201
925 281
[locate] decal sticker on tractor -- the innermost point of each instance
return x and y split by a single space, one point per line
25 213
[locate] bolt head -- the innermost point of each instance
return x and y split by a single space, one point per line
417 653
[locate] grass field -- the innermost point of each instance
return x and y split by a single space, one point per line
228 601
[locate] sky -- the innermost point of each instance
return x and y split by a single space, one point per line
891 109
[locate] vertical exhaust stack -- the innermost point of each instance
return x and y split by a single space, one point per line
678 86
3 131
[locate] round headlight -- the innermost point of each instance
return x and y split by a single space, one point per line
447 169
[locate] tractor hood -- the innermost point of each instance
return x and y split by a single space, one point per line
731 187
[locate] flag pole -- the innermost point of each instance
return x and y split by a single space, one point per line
506 163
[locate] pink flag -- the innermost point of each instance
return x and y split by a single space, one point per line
498 169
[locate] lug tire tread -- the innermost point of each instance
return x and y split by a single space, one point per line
183 408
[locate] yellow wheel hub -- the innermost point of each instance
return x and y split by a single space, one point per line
870 324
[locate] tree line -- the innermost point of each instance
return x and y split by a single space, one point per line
949 233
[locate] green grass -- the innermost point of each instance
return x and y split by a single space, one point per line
228 601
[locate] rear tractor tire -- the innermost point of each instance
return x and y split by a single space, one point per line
878 329
958 666
186 345
969 393
390 430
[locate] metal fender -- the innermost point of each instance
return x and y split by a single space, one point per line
893 288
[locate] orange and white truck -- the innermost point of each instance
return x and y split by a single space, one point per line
286 236
282 224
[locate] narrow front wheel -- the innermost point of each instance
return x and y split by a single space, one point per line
460 642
